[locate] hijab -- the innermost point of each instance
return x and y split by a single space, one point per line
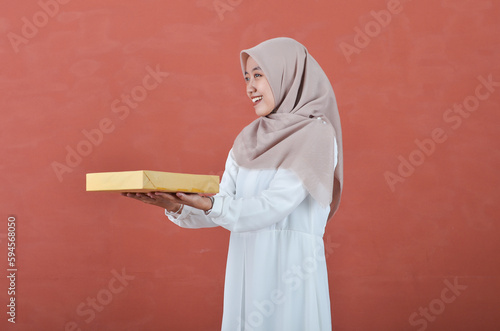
300 133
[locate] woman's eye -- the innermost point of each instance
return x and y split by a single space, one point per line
257 75
247 79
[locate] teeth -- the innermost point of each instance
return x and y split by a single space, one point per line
256 99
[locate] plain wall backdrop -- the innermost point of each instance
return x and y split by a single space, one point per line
91 86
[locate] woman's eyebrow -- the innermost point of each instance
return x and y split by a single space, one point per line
256 68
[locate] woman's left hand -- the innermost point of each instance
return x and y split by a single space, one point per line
163 199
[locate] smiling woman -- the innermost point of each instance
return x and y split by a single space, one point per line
258 88
282 182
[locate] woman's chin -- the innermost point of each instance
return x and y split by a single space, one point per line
262 111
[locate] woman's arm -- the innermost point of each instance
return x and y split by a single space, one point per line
272 205
194 218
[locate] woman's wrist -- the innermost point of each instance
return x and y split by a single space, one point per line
176 209
210 205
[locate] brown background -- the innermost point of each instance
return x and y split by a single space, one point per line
404 234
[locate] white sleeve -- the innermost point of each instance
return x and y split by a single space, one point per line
191 218
195 218
272 205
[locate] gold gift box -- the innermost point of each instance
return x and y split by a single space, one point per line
148 181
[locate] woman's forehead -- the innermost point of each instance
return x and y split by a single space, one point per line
251 63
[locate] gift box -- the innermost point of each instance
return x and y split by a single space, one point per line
148 181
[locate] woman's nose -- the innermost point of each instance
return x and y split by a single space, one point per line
250 87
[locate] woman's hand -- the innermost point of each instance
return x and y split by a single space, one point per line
172 201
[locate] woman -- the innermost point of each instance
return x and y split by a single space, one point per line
282 182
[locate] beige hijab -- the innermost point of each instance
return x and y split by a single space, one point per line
299 134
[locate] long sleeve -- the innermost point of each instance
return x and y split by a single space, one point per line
271 205
240 214
191 218
194 218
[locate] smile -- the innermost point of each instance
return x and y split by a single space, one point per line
256 99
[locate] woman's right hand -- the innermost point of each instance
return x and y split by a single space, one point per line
166 201
172 202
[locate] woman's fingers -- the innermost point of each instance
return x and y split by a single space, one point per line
130 195
194 200
140 196
168 196
171 200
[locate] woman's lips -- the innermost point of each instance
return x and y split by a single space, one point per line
256 100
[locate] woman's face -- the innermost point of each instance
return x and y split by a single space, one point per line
258 88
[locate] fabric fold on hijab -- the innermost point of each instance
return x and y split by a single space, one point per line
301 132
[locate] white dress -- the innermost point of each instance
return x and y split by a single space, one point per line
276 276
